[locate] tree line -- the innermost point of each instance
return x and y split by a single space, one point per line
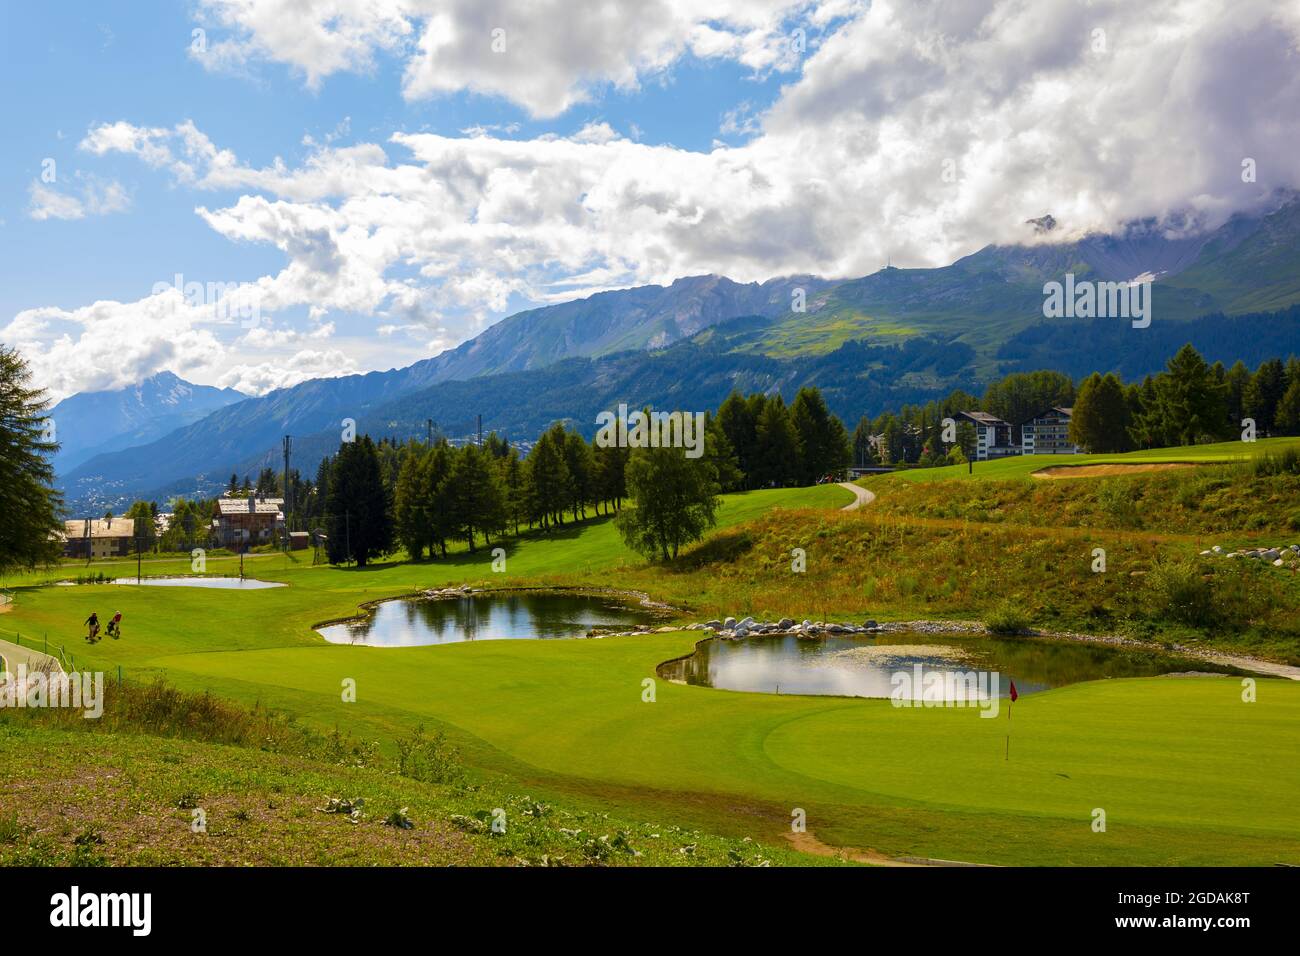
1189 402
370 498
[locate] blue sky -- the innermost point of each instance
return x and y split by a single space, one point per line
381 182
83 63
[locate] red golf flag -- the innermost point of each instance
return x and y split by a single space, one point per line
1013 695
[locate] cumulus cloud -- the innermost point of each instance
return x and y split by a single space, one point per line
544 55
109 345
87 196
266 377
917 132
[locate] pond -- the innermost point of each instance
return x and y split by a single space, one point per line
411 622
871 666
238 584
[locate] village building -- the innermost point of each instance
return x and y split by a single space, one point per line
98 537
994 438
246 522
1048 433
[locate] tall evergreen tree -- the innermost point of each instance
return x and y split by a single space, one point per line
30 506
548 478
777 447
474 494
1265 391
359 505
738 418
1099 423
822 441
411 506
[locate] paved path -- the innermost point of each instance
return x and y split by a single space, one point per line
15 654
860 496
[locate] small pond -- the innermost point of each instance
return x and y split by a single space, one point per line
238 584
410 622
867 666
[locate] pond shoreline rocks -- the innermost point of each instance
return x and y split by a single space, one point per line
1283 556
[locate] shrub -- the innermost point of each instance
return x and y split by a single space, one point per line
1178 591
1285 462
1007 618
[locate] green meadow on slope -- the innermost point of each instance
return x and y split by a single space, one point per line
566 719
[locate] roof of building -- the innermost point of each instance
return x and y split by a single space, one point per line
99 528
984 418
261 506
1067 411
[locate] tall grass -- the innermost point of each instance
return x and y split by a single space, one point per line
160 710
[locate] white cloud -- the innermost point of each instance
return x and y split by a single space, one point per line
545 55
845 169
109 345
268 376
89 196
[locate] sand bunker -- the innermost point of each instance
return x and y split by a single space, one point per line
1099 471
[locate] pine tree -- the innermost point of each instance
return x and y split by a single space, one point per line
1263 393
578 460
515 487
359 505
777 447
1286 421
823 446
738 418
1190 404
548 478
1099 423
434 475
410 506
30 506
475 499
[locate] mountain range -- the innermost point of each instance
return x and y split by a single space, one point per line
871 343
91 423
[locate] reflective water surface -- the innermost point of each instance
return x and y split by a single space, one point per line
869 666
482 617
236 584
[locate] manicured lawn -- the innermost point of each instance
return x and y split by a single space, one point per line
1185 771
1021 466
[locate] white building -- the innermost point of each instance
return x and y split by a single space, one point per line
993 436
1048 433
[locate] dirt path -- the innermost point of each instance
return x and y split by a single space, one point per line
807 842
860 496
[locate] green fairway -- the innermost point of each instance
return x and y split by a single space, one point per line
1021 466
1184 770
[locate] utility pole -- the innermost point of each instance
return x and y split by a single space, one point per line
288 488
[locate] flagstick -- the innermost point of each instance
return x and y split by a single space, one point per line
1009 703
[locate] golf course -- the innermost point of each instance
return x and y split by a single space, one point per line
1187 770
